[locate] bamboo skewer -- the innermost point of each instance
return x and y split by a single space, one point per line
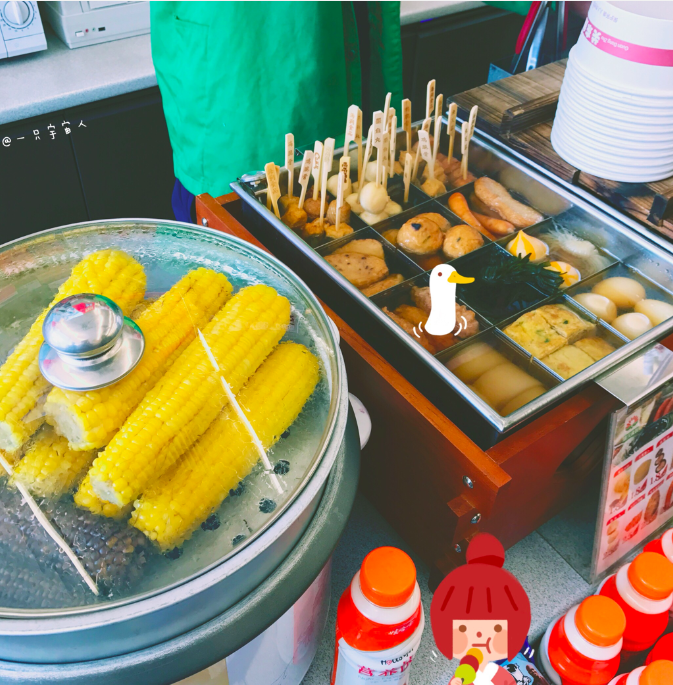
368 152
358 140
425 151
49 528
327 159
393 145
417 160
407 177
339 201
316 169
406 121
439 104
377 142
430 99
271 171
451 127
289 162
386 108
305 175
385 158
466 135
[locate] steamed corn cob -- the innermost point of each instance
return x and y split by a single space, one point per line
112 273
170 510
90 419
49 467
86 498
174 414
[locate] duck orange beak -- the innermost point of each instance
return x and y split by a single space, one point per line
455 277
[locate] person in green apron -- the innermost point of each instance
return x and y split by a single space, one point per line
235 77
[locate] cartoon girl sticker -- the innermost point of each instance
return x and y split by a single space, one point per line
480 614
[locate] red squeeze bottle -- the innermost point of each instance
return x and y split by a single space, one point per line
662 650
656 673
582 647
663 545
644 590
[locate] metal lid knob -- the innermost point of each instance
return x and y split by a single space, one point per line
83 326
88 343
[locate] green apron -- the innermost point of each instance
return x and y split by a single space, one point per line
235 77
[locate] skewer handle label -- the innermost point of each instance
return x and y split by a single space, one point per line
289 151
305 172
351 125
426 125
406 115
408 163
345 168
424 146
358 128
272 183
377 137
430 99
393 144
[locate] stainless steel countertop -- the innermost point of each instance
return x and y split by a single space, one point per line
58 77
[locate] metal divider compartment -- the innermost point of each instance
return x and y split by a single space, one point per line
563 211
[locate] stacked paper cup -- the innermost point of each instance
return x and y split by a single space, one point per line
615 113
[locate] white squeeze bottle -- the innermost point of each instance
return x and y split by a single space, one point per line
380 621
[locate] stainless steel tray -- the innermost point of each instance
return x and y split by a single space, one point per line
624 248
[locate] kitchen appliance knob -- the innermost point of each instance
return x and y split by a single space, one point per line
16 14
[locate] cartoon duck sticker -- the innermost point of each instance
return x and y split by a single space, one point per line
443 280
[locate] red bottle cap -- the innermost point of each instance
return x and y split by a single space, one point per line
651 575
600 621
657 673
387 577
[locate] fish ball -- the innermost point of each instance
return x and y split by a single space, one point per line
333 186
372 218
374 198
352 202
392 208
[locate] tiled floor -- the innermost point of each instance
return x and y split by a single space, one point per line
538 561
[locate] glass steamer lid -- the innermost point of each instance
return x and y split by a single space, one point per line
124 492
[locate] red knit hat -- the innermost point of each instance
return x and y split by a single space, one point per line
481 590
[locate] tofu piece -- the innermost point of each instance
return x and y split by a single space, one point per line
368 246
595 347
565 322
568 361
360 269
535 334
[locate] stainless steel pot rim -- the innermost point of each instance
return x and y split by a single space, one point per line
31 621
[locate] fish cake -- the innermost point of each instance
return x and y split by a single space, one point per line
534 333
380 286
565 322
391 235
331 231
496 197
460 240
360 269
312 208
568 361
408 327
420 235
345 213
369 246
595 347
421 298
315 227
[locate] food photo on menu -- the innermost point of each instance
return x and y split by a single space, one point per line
336 343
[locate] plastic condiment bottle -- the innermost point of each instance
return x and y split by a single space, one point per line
656 673
380 621
663 545
662 650
644 590
582 647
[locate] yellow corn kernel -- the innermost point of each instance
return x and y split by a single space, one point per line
112 273
90 419
172 508
49 467
176 412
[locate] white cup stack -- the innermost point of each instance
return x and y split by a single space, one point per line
615 113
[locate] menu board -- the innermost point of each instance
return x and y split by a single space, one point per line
637 489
